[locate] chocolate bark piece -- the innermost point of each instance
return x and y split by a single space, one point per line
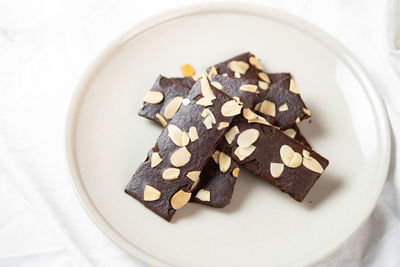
284 91
167 90
216 184
164 182
280 160
288 106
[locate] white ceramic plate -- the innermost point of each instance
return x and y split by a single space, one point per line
106 141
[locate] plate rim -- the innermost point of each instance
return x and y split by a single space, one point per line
369 89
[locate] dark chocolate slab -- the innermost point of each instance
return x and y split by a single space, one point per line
295 181
175 193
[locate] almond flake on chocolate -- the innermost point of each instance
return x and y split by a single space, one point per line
239 66
307 112
289 157
244 152
193 175
161 119
171 174
263 76
204 101
217 85
248 137
172 107
293 88
180 157
222 125
290 132
268 108
235 172
230 108
276 169
254 61
193 134
180 199
153 97
203 195
155 159
249 88
224 162
177 136
215 156
283 107
230 135
263 85
206 89
150 193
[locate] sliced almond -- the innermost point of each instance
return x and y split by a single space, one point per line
177 136
237 75
259 120
263 85
293 88
283 107
207 122
187 70
193 134
276 169
289 157
306 153
185 101
225 74
297 120
248 137
249 88
141 106
197 76
203 195
244 152
254 61
307 112
290 132
171 174
213 71
230 135
180 199
164 123
239 66
237 99
211 115
311 163
248 114
215 156
230 108
193 175
146 158
206 89
222 125
204 101
235 172
217 85
150 193
155 159
224 162
153 97
268 108
194 185
263 76
180 157
205 112
172 107
257 106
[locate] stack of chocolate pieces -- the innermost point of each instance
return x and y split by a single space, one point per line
236 115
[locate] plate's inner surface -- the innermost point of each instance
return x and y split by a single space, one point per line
261 226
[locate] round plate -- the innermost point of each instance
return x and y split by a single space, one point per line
106 141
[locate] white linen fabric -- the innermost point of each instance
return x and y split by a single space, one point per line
46 45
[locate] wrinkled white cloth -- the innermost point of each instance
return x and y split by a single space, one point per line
46 45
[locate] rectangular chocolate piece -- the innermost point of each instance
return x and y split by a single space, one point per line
282 100
164 182
269 153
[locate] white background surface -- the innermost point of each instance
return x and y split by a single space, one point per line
44 48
